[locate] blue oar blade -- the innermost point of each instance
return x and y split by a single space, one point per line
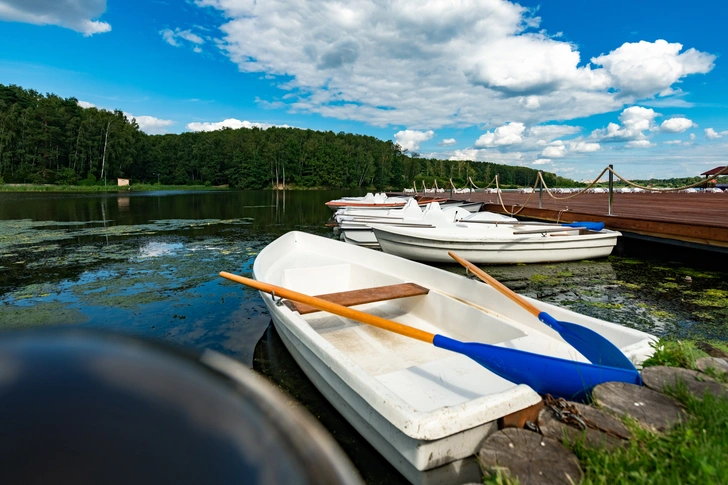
544 374
597 349
592 226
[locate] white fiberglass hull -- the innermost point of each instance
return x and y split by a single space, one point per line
426 410
432 245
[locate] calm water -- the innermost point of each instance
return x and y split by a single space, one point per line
147 264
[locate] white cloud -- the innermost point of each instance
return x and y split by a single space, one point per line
584 147
711 134
508 134
411 139
542 161
635 121
76 15
649 68
431 64
172 37
447 142
85 104
639 144
555 149
549 132
150 124
229 123
676 125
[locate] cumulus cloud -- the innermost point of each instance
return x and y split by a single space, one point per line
711 134
556 149
647 68
229 123
584 147
676 125
508 134
447 142
85 104
76 15
639 144
150 124
635 121
411 139
431 64
542 161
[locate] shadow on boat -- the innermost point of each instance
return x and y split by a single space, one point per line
272 360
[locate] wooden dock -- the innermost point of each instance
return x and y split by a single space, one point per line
698 221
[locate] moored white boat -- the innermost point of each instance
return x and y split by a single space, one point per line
369 200
496 244
423 408
357 229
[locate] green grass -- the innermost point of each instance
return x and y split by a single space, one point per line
695 452
679 353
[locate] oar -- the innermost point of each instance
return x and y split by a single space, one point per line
592 345
544 374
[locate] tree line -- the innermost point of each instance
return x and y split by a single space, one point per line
49 139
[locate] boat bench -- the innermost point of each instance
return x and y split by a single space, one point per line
360 297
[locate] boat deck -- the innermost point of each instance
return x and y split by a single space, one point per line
694 220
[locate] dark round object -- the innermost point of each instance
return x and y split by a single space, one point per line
91 408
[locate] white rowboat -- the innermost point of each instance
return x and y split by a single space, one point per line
496 244
425 409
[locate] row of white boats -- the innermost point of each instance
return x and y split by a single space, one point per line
427 233
421 361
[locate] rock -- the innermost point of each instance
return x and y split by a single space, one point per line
529 457
552 427
711 350
716 363
661 378
650 408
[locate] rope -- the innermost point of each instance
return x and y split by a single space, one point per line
470 179
701 182
568 413
523 206
548 191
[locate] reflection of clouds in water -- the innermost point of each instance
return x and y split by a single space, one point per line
156 249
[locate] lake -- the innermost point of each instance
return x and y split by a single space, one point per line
148 263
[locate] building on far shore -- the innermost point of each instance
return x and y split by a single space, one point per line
710 178
122 182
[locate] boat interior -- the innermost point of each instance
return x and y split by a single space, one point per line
426 377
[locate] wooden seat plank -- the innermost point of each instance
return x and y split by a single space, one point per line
360 297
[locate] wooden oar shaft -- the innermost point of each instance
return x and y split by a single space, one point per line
334 308
496 284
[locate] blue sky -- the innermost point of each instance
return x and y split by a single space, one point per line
564 86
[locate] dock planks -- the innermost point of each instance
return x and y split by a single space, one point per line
695 220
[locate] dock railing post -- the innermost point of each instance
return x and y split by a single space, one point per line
611 188
540 191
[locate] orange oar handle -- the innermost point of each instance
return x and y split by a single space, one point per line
334 308
496 284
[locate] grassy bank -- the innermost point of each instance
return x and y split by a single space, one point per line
102 188
694 452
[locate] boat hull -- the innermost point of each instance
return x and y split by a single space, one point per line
446 461
497 251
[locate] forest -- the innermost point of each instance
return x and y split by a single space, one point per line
46 139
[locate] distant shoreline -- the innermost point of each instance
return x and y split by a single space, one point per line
140 188
101 188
